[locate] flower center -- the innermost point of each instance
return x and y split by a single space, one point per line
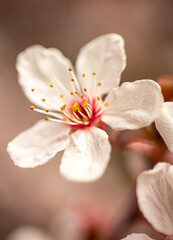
80 109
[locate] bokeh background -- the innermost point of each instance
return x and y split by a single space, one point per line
39 196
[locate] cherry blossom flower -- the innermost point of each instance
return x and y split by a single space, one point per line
76 106
155 194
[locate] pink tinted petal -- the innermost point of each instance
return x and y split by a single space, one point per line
133 105
138 236
155 196
36 145
164 124
104 55
87 156
38 67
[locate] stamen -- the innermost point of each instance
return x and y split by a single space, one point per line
47 118
82 114
83 75
32 89
77 86
95 80
53 114
51 85
85 104
61 96
98 98
63 107
32 107
85 89
76 92
72 93
81 96
72 79
99 84
106 104
89 112
43 100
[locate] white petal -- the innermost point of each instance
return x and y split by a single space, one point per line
133 105
36 145
104 55
38 67
164 124
87 156
139 236
155 198
169 176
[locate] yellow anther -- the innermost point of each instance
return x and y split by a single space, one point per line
47 110
82 96
46 118
76 92
72 80
70 69
32 107
43 100
63 107
106 104
85 89
99 84
76 105
72 93
32 89
85 104
83 75
51 85
61 96
94 73
73 108
98 98
71 116
84 120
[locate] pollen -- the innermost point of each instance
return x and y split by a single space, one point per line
72 93
81 96
32 107
99 84
47 118
83 75
32 89
43 100
47 110
72 80
85 104
85 89
94 73
70 69
51 85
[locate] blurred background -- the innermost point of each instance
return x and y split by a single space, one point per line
40 197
